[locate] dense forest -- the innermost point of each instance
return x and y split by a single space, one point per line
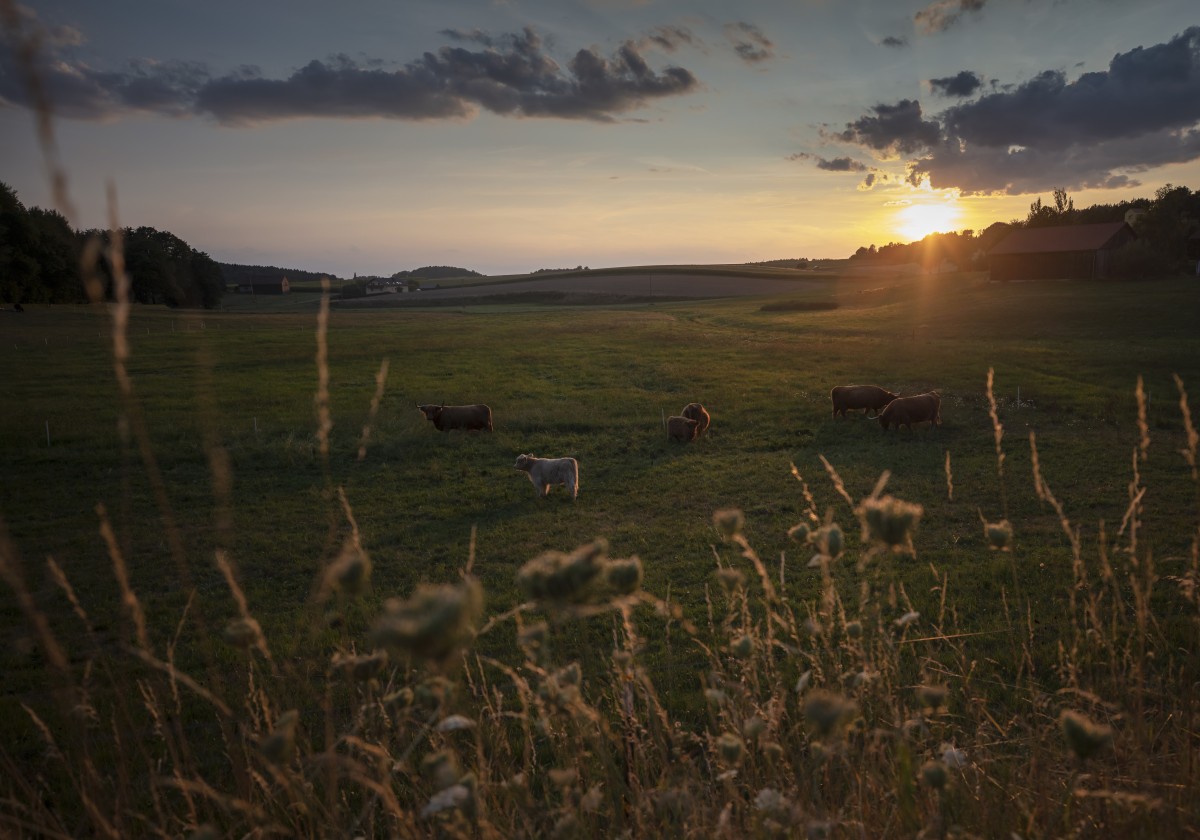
235 274
436 272
41 258
1164 225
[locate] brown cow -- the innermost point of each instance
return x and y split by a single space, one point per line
867 397
904 411
469 417
682 429
697 412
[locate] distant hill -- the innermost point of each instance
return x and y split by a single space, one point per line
437 272
234 273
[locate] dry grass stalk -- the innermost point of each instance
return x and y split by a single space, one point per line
128 598
239 597
324 420
1193 439
838 484
810 505
380 381
997 436
11 573
949 479
1142 424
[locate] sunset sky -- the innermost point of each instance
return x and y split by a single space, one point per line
505 136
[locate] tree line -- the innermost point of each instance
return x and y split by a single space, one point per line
41 254
1164 224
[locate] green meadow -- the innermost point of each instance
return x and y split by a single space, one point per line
1087 607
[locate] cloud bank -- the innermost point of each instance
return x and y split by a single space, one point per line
511 75
1099 130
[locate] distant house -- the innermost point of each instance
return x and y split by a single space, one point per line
1076 252
385 285
264 287
1134 215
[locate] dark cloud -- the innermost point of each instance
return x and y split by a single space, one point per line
512 75
964 83
749 42
841 164
1099 131
895 41
1016 170
669 38
893 129
474 36
940 15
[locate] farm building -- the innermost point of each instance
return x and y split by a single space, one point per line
1077 252
264 287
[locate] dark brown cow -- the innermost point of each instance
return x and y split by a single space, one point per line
468 417
867 397
904 411
682 429
697 412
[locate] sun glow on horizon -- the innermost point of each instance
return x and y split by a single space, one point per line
916 221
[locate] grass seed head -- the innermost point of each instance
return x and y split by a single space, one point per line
742 647
800 533
243 632
729 522
999 535
361 667
1084 737
435 623
280 745
731 579
350 572
854 629
441 768
932 696
730 747
558 580
889 522
624 576
933 773
754 727
826 711
829 540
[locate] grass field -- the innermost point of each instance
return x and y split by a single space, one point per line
230 460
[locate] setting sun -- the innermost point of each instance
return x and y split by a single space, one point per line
916 221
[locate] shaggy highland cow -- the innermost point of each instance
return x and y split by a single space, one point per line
904 411
468 417
544 472
697 412
870 398
682 429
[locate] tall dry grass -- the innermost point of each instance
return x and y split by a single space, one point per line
843 712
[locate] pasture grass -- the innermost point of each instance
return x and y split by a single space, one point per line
671 677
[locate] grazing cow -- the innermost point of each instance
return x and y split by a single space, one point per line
697 412
544 472
682 429
867 397
904 411
469 417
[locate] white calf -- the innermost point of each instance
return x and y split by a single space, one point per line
544 472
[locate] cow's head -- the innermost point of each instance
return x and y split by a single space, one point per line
524 463
431 412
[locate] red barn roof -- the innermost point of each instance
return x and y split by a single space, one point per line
1048 240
